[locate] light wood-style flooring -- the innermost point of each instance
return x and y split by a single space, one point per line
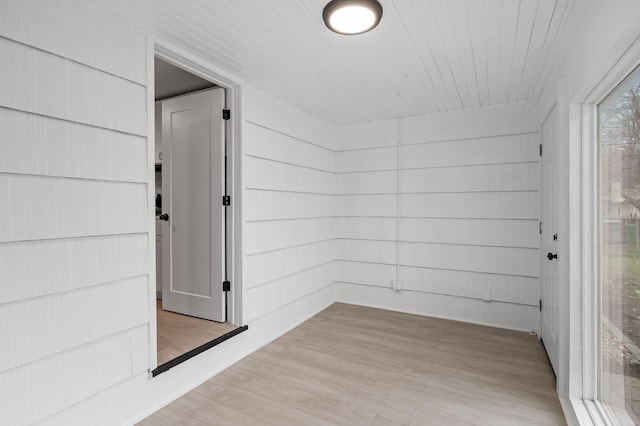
178 334
353 365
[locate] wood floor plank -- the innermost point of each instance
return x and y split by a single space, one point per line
352 365
268 409
424 418
178 334
332 408
375 402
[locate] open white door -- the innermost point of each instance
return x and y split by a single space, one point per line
193 245
549 243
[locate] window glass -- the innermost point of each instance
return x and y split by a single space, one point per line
619 194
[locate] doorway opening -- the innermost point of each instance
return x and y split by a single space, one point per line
192 219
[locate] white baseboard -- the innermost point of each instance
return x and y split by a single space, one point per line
496 314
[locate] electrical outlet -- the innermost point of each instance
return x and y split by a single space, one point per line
396 285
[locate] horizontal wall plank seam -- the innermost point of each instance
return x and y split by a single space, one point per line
290 247
286 219
367 148
493 136
497 191
75 290
91 342
365 217
81 123
290 164
448 166
434 217
444 294
470 218
528 219
107 389
293 301
290 136
497 135
455 166
289 191
293 274
85 65
350 194
383 240
436 269
435 243
78 178
366 171
74 237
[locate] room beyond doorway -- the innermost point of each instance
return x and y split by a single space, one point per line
191 218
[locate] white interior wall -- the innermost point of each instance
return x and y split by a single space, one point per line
76 236
460 226
73 189
289 198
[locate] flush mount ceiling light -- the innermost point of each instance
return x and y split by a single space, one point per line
352 16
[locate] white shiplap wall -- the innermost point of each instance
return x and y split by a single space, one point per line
75 208
290 203
448 203
74 288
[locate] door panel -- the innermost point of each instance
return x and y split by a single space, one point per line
549 243
193 185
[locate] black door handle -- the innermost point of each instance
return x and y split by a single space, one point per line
164 217
552 256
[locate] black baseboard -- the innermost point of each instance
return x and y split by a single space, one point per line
193 352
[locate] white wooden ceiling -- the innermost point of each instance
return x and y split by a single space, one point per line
425 56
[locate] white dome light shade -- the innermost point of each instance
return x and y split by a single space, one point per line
352 16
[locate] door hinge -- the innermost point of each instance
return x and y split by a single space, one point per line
540 150
226 200
540 227
540 305
226 114
226 285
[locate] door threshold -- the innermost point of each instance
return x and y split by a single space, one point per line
193 352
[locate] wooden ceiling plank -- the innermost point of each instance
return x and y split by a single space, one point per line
464 36
559 14
414 71
428 14
413 25
524 34
448 27
492 12
478 40
510 15
539 37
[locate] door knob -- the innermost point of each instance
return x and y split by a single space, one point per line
164 217
552 256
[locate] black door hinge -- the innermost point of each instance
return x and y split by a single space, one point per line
226 114
540 305
540 227
226 200
226 285
540 150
